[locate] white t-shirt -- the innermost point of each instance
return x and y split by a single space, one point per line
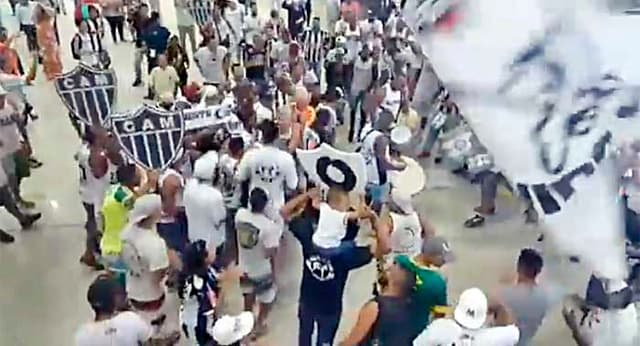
144 252
210 63
9 133
206 212
124 329
235 18
392 100
92 189
438 334
262 112
256 234
332 227
270 169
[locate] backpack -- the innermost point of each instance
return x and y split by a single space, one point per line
75 53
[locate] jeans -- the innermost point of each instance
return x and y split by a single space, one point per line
489 188
116 24
8 201
175 233
632 224
91 226
137 62
327 326
31 35
316 68
183 32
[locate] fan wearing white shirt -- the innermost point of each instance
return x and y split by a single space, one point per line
258 240
213 62
204 203
110 327
269 168
145 254
253 24
233 17
24 15
468 324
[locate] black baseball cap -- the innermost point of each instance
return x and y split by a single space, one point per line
102 293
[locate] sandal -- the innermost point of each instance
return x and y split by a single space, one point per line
474 221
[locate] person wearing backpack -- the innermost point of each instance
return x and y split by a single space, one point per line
86 46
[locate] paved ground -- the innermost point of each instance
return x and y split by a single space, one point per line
43 287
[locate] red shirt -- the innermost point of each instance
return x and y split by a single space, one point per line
78 12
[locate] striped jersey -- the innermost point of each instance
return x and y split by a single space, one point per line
314 43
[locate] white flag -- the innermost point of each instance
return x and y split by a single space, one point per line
549 90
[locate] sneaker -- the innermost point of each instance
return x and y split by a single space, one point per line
6 237
137 83
30 220
34 163
26 204
90 261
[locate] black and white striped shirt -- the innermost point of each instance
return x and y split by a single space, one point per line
313 43
201 10
280 99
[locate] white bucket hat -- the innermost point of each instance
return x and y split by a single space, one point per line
230 329
471 311
144 207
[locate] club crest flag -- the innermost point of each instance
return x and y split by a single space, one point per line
89 94
551 94
150 136
329 166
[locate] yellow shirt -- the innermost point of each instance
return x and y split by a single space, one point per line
115 215
410 119
163 80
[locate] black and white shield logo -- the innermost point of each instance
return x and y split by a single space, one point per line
201 10
150 137
88 93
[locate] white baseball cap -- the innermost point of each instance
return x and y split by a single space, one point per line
206 165
231 329
144 207
471 311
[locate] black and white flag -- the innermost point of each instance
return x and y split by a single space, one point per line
201 10
150 136
89 94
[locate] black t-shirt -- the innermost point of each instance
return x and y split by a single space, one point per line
255 62
323 278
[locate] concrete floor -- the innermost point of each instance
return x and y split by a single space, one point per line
43 287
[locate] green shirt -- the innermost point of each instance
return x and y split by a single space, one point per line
430 293
115 215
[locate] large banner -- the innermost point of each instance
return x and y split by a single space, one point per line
89 94
550 88
153 137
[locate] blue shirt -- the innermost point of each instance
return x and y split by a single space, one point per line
156 38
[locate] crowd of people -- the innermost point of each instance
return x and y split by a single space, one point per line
218 214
